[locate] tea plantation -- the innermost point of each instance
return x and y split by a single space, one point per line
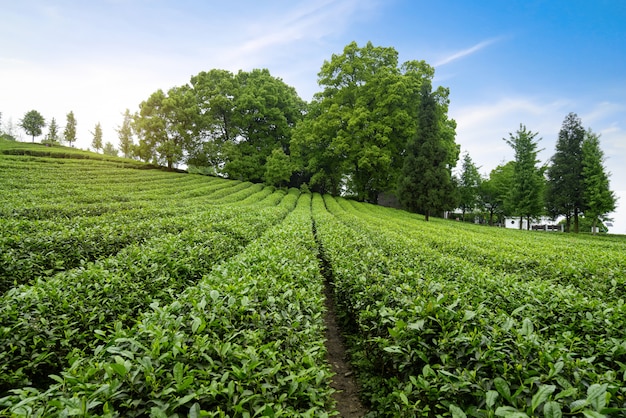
128 291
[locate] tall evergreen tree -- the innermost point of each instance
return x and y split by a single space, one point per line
69 133
426 184
565 179
597 196
469 184
528 184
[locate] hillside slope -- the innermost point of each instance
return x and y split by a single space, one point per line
133 292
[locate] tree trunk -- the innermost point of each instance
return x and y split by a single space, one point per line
594 226
521 220
576 220
426 215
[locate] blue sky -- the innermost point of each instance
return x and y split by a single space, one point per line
505 62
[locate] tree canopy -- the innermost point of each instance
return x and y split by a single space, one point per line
376 126
358 127
52 137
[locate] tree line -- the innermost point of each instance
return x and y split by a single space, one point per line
33 123
573 184
376 126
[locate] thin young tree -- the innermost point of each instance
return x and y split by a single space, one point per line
469 185
69 133
96 143
597 196
125 135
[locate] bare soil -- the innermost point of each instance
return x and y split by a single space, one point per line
347 391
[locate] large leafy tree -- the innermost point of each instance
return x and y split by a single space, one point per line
527 190
468 185
266 111
167 124
69 133
96 142
426 184
215 92
564 194
125 135
32 123
243 118
598 198
358 126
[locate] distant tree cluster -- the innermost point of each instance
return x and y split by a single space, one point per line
364 134
375 127
574 183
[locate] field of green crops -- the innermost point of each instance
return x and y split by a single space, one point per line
134 292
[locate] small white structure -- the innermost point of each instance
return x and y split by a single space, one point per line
544 223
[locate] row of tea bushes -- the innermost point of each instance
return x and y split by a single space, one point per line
43 322
436 334
248 340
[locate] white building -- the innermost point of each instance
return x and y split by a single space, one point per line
544 223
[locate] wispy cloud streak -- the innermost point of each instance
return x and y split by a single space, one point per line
466 52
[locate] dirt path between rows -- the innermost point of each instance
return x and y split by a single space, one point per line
347 391
344 382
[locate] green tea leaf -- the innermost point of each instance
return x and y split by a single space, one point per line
119 369
592 414
457 412
194 411
527 327
541 396
552 410
503 388
468 315
491 398
596 396
510 412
